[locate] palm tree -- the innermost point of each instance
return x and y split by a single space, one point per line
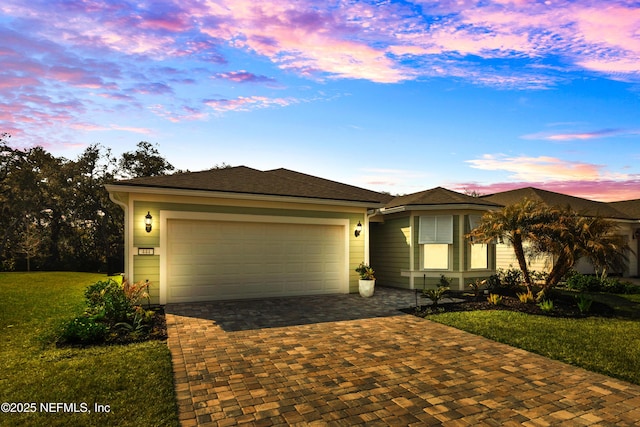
569 236
516 224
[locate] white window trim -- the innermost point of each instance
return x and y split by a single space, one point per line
423 258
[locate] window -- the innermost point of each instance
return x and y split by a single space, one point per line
479 252
479 256
436 237
435 256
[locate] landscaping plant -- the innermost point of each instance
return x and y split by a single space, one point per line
365 272
526 297
495 299
546 305
584 303
435 295
476 287
114 313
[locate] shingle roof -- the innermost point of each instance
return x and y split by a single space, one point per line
437 196
628 207
552 199
245 180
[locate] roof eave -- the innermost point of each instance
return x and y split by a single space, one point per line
171 191
438 207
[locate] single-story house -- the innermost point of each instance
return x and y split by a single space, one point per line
243 233
238 232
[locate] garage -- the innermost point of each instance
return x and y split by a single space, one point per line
233 258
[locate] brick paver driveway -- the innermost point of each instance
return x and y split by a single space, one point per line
346 360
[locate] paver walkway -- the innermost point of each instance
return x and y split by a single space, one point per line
345 360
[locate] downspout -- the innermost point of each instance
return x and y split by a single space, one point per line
125 207
370 213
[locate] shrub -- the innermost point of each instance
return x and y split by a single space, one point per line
136 292
435 295
493 282
584 303
538 276
83 330
108 300
526 297
140 324
112 309
588 283
494 299
583 283
511 278
476 287
546 305
445 281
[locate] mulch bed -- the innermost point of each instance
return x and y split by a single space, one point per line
563 306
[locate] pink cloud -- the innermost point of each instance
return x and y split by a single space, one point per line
604 190
243 76
248 103
305 37
541 168
575 178
182 114
572 136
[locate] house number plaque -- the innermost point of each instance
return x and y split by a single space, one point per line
145 251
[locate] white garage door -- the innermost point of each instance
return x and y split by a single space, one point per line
213 260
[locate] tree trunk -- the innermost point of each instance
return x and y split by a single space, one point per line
522 261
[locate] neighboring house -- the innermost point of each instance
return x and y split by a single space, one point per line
238 232
243 233
626 214
419 237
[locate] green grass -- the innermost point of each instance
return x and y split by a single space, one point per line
135 380
605 345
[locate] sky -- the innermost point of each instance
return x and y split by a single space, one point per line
396 96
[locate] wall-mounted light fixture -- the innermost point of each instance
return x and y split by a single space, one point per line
147 222
636 234
358 229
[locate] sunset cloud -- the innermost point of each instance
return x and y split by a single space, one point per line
248 103
243 76
604 191
91 59
539 169
573 136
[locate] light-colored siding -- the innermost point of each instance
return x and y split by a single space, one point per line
141 239
506 259
147 267
390 246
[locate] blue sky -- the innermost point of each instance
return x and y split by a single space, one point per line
396 96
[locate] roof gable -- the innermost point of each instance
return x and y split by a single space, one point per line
245 180
628 207
437 196
553 199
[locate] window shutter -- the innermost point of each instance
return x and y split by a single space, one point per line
436 229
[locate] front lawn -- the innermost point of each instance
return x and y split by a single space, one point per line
610 346
133 383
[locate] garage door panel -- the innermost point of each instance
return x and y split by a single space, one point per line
209 260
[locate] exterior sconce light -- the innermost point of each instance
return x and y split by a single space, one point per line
636 234
147 222
358 229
